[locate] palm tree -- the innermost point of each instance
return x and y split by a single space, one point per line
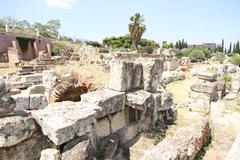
136 28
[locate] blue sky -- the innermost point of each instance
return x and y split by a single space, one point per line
196 21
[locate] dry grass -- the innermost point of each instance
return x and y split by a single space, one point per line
179 89
99 76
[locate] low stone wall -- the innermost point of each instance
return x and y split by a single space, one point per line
184 144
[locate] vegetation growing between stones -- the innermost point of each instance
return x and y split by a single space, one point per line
100 151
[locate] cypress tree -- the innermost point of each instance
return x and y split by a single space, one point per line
234 48
222 45
177 46
230 48
237 47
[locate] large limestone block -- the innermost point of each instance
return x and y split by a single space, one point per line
50 154
63 121
125 76
36 89
29 149
32 78
118 121
49 79
102 127
110 101
140 100
6 102
81 148
166 101
152 73
209 76
209 89
140 147
14 130
30 102
184 144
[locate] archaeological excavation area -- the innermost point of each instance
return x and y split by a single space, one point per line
125 106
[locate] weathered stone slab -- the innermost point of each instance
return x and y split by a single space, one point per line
14 130
139 100
152 73
125 76
166 101
110 101
33 78
102 127
118 121
29 149
30 102
36 89
50 154
81 148
207 88
63 121
184 144
6 102
209 76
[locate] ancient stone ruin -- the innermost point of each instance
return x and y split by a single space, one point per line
100 124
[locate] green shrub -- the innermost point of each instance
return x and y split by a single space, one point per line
197 55
227 78
235 60
93 43
147 49
219 56
104 50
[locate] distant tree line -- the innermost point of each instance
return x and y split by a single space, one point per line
49 29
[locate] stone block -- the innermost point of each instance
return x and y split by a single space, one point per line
7 104
110 101
36 89
63 121
208 76
29 149
32 79
15 129
102 127
140 100
184 144
30 102
118 121
80 148
152 73
50 154
209 89
166 101
125 76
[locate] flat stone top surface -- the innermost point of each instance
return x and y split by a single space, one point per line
139 99
100 95
64 114
63 121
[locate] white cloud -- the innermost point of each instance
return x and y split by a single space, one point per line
65 4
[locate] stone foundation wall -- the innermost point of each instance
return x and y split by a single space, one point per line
104 121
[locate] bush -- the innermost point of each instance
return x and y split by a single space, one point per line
235 60
197 55
93 43
227 78
147 49
219 56
104 50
